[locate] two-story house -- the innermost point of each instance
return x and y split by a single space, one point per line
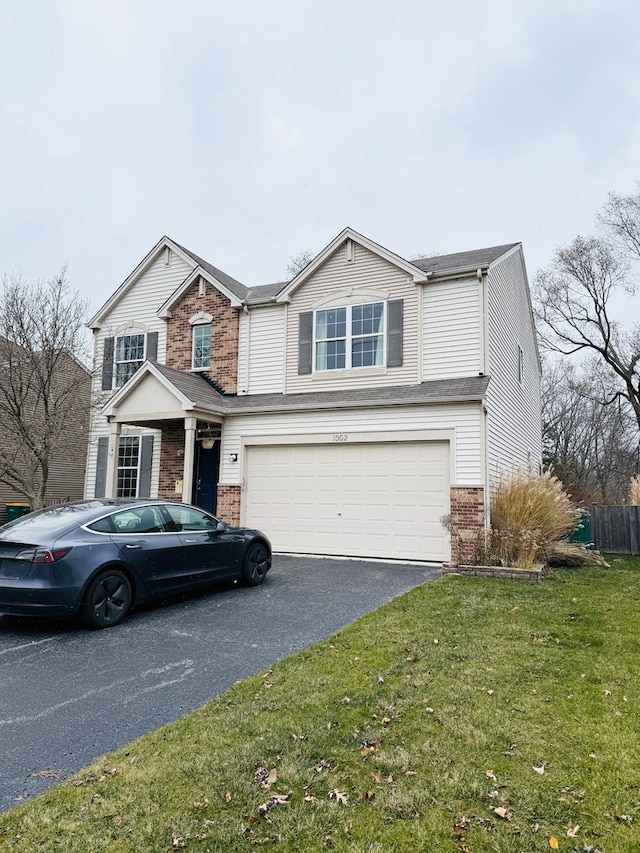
344 412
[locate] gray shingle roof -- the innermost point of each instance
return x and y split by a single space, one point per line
202 394
467 389
194 387
440 263
460 260
230 283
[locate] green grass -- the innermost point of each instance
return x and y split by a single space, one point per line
404 732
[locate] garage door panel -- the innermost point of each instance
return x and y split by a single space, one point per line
374 500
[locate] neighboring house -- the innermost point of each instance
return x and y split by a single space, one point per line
66 474
345 412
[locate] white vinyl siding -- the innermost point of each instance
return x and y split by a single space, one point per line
514 433
368 278
452 329
464 421
364 499
261 364
102 429
134 313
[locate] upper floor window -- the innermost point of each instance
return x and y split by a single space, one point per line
129 356
123 355
351 336
201 353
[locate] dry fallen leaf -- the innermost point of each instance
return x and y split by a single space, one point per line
271 779
340 796
505 814
540 769
273 801
553 842
491 775
571 833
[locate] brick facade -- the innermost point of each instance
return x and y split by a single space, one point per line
224 335
229 504
171 460
467 522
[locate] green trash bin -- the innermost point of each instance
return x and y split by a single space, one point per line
582 535
15 510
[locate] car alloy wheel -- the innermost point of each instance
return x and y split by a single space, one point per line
256 564
107 600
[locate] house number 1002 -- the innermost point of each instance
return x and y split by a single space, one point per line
340 436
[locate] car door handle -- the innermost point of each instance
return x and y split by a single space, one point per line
131 546
189 539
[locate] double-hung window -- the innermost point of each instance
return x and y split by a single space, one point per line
128 466
201 351
350 336
129 356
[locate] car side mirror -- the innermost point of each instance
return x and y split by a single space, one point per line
221 527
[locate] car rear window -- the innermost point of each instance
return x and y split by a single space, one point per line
52 517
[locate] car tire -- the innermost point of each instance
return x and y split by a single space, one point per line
256 564
107 600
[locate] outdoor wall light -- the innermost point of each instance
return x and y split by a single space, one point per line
233 457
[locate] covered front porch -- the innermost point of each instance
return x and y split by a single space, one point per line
189 414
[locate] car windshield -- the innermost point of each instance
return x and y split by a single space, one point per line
51 517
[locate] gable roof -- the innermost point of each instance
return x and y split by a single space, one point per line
237 288
239 294
342 237
190 389
213 274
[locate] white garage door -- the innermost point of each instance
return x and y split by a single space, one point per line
358 500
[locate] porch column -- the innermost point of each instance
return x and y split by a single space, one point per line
190 425
112 459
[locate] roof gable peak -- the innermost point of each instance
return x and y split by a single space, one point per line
348 234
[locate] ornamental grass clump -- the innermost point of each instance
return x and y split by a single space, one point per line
634 491
531 518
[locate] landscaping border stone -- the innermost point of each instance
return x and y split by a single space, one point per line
511 573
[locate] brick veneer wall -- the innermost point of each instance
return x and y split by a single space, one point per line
467 521
171 460
229 504
224 335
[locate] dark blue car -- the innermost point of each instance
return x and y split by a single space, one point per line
97 558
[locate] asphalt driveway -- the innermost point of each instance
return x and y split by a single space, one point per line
68 695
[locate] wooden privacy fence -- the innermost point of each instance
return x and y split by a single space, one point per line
616 529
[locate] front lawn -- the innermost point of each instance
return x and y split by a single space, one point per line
468 715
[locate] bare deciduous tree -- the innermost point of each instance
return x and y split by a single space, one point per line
574 298
592 449
299 261
44 385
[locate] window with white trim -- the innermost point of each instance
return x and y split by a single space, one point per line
201 347
129 356
128 466
349 337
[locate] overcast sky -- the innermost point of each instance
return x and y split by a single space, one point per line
254 129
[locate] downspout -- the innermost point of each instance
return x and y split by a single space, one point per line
484 371
245 310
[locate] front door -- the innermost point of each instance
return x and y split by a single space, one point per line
206 467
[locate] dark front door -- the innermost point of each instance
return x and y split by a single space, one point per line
207 465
